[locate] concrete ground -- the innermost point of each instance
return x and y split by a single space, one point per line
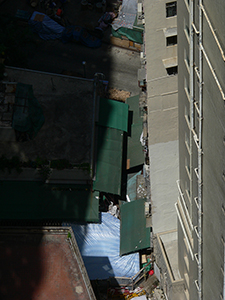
152 289
157 294
118 65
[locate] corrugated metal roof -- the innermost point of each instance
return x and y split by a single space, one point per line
113 114
109 160
134 235
135 154
26 200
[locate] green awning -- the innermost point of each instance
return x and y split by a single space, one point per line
135 34
109 160
132 34
113 114
134 235
135 154
28 200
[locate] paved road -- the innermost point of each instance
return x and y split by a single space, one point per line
118 65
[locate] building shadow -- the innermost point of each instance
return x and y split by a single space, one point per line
25 203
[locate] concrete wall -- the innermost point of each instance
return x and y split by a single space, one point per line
213 158
164 172
162 115
214 154
188 154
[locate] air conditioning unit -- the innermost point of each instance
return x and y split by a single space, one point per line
139 8
140 14
147 209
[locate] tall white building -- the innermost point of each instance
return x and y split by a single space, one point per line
201 89
162 99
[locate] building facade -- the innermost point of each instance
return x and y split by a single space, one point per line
162 98
161 78
200 206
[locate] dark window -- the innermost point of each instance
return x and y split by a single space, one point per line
186 85
186 57
172 70
187 30
171 40
171 9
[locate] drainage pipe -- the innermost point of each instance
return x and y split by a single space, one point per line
200 155
191 98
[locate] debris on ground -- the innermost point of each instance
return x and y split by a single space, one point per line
118 95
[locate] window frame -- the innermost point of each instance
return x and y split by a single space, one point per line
171 40
171 9
172 71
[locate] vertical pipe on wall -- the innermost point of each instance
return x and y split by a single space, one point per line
191 84
191 65
200 154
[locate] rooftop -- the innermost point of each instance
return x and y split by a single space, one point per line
68 109
42 264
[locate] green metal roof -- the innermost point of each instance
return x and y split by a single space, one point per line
113 114
27 200
133 103
135 34
134 150
109 160
134 235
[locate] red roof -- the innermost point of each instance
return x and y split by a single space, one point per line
40 265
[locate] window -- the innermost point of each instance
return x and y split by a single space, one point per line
186 87
187 167
186 29
187 116
187 2
172 70
187 189
223 175
187 141
170 65
171 9
186 58
171 40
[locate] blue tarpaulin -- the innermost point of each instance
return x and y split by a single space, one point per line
45 27
99 245
71 33
48 29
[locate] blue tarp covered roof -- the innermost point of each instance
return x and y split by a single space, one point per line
99 245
